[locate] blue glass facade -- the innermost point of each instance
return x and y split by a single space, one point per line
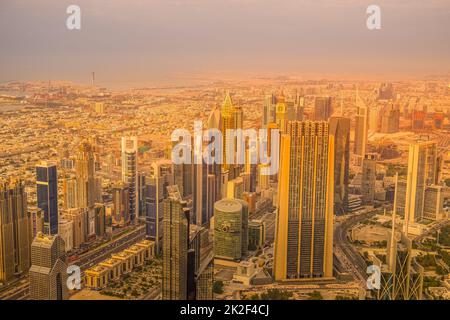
47 196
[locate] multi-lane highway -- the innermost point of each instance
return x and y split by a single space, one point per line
348 257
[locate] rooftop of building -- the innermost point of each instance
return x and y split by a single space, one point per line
42 238
228 205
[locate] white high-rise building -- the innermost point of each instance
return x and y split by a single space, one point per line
421 173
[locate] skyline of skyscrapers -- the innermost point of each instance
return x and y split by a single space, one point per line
211 223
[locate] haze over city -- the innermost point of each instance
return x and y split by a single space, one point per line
139 42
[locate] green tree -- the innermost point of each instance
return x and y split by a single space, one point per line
315 295
218 287
447 182
276 294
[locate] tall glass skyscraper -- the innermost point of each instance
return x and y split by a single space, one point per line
323 108
361 128
47 195
15 230
230 229
422 161
85 170
175 248
304 234
340 129
130 173
161 176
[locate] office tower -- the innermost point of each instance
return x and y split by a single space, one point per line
368 178
98 107
433 208
84 171
230 229
418 120
400 193
270 126
15 230
238 117
361 127
67 164
235 188
299 106
141 194
269 109
121 204
256 234
205 194
251 171
291 110
90 224
98 189
48 272
129 173
36 217
190 275
244 237
439 165
224 177
386 92
175 249
205 179
196 233
79 220
47 195
390 119
323 108
304 230
375 118
281 112
421 173
263 179
161 176
188 179
340 130
70 193
215 122
250 199
100 219
438 120
65 231
401 276
178 176
228 123
205 280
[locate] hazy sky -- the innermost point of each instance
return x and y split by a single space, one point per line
148 40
